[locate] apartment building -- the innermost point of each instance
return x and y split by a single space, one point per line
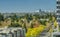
12 32
58 12
57 34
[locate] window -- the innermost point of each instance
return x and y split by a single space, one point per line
58 16
58 11
58 2
58 7
56 36
58 20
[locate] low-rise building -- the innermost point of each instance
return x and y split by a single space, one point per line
12 32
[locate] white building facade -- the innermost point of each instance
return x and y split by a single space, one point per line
57 33
12 32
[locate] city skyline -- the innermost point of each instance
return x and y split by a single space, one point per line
26 5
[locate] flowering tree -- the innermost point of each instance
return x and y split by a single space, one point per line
33 32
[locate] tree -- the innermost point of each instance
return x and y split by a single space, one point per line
14 25
28 17
55 23
43 22
33 32
1 17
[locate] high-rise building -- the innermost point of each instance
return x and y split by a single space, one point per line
58 12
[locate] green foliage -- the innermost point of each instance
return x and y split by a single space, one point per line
37 16
1 17
25 27
43 22
0 24
28 17
14 25
32 25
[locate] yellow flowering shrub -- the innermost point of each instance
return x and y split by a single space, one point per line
51 30
53 19
55 23
33 32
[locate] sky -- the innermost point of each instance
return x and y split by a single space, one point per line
26 5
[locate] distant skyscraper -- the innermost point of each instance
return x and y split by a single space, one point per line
39 10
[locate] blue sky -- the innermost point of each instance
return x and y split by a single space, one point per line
26 5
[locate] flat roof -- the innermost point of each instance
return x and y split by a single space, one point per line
56 33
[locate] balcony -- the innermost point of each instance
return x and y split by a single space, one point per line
57 9
58 14
58 19
58 2
56 34
58 5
